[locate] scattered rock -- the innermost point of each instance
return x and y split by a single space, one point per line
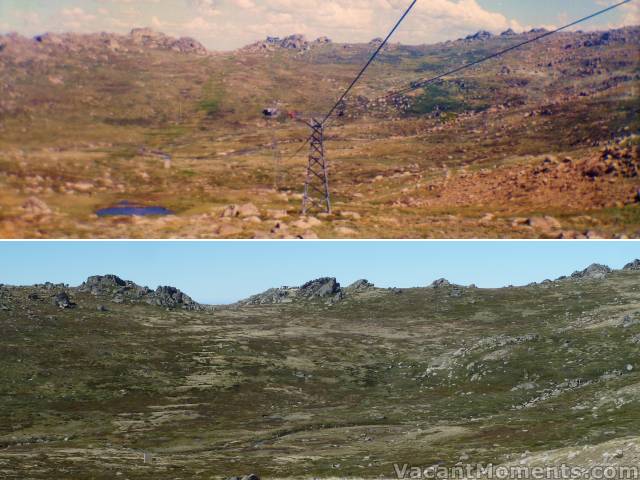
248 210
525 386
618 159
279 227
251 476
55 80
546 224
35 206
352 215
241 211
230 211
307 222
277 214
308 235
63 301
345 231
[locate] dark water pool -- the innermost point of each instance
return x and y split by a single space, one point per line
128 209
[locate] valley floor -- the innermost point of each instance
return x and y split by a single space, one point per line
546 373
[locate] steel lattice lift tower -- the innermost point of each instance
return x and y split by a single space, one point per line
316 187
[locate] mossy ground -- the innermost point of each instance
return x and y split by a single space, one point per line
311 390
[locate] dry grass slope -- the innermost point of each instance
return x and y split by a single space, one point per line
81 119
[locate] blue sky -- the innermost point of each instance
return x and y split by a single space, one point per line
223 272
229 24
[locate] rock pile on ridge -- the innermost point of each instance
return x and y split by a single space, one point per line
122 291
320 289
481 35
139 39
441 282
360 286
171 297
151 39
592 272
292 42
635 265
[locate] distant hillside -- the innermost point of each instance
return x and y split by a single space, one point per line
91 378
540 142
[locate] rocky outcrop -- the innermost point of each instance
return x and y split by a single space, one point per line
452 289
171 297
138 39
320 288
156 40
296 42
327 289
272 296
126 291
600 39
481 35
440 283
592 272
101 285
633 266
359 286
102 282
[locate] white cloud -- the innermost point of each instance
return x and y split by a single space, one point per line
197 24
206 7
245 4
76 18
157 23
28 20
228 24
631 14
